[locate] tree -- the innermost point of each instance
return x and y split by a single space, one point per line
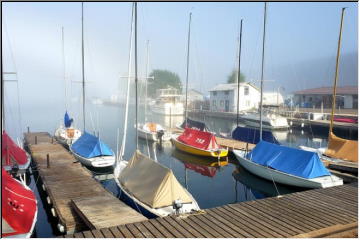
232 78
163 79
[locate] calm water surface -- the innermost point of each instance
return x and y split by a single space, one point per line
211 184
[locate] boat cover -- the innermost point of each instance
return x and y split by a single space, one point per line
151 183
198 139
67 120
252 135
289 160
89 146
195 125
12 152
18 206
342 148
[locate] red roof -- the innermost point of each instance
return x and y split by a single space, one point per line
329 90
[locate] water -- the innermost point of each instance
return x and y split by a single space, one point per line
212 185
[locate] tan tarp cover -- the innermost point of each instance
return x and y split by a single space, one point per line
342 149
152 183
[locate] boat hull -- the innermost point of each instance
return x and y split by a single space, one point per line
63 135
97 162
172 110
196 151
284 178
152 136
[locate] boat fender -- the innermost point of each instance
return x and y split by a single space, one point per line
53 212
43 187
48 200
61 228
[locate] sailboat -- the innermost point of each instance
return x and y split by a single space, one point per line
338 149
18 207
151 131
194 140
283 164
66 134
152 187
246 134
12 155
89 149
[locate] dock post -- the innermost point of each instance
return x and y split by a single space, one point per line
35 139
28 129
52 140
47 161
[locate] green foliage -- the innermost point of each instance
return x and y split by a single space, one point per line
232 78
163 79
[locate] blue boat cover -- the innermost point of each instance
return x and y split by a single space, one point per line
252 135
89 146
289 160
67 120
195 125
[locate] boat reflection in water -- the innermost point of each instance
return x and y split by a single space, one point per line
198 164
250 187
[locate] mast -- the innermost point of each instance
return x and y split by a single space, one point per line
238 82
336 72
146 75
82 61
187 70
122 149
63 63
262 72
2 96
136 81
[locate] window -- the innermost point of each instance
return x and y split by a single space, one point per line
247 103
222 103
226 92
214 93
246 91
214 103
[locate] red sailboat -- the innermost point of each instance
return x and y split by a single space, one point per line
18 206
12 154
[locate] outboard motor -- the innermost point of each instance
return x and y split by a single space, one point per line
177 205
14 170
160 134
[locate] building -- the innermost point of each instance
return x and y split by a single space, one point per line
223 97
346 97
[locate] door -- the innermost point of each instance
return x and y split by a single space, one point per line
226 105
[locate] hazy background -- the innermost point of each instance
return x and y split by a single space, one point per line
300 49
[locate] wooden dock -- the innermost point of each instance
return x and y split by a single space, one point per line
330 212
68 184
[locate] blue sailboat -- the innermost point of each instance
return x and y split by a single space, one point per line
251 135
283 164
92 152
89 149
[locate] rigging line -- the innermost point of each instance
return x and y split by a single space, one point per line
136 79
187 70
63 63
82 62
122 149
17 76
239 75
262 72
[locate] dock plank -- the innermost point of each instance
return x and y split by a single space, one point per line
312 213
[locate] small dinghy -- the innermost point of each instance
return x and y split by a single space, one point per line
153 132
66 134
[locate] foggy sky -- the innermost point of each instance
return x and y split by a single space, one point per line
297 34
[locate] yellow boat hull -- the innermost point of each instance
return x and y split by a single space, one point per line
200 152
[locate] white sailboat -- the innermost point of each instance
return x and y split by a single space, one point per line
151 131
66 134
144 182
168 102
89 149
283 164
